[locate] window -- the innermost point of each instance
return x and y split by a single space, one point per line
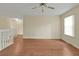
69 25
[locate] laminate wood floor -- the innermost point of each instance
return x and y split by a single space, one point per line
42 47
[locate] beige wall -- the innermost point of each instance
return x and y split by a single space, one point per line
4 23
72 40
42 27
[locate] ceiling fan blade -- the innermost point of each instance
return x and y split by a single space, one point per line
34 7
50 7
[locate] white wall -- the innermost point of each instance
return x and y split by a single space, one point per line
17 25
72 40
42 27
20 27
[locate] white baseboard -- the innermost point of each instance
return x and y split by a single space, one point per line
72 44
10 44
38 38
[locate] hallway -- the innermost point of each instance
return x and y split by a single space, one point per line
42 47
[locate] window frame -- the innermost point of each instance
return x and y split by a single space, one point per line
73 28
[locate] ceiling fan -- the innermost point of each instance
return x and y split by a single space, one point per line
42 5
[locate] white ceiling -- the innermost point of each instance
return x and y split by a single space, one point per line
21 9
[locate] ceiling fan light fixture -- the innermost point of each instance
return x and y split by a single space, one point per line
42 5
